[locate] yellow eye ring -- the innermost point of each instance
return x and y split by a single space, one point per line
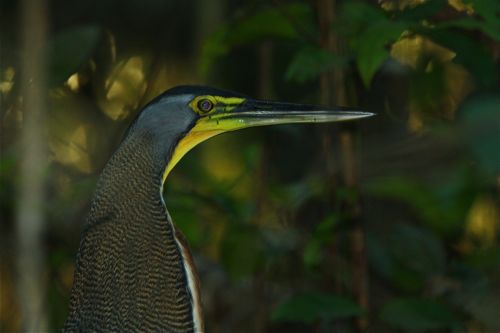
205 105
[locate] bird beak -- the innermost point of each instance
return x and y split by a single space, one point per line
236 113
250 113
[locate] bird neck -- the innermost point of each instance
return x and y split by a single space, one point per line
132 265
132 175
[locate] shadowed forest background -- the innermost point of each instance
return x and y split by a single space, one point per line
389 224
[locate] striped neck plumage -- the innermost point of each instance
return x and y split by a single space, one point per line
188 263
133 269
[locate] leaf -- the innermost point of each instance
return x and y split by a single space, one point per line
425 250
385 265
418 315
360 14
242 249
371 47
310 62
410 191
421 11
469 23
294 195
480 125
274 22
312 253
441 206
186 218
322 235
269 22
389 252
489 10
309 307
69 50
379 256
370 32
469 53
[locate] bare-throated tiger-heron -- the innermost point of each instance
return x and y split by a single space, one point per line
134 271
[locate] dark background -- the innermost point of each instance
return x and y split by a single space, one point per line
389 224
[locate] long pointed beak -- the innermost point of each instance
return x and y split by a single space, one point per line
243 113
252 113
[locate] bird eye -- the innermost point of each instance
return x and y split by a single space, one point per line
205 105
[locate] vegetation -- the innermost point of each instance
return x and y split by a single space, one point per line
390 224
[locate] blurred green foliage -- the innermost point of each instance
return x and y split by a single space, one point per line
267 211
419 315
69 51
308 308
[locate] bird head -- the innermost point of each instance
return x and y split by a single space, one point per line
190 115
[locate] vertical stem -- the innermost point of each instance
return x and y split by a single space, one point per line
29 215
333 92
353 211
328 96
265 58
325 19
264 91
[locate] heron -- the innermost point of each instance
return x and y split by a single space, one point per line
134 270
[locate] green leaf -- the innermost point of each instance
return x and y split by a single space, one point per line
389 253
421 11
186 217
69 50
269 22
312 253
294 195
360 14
273 22
425 250
370 32
418 315
322 235
310 62
441 206
489 10
408 190
480 128
371 47
469 53
242 249
468 23
379 256
309 307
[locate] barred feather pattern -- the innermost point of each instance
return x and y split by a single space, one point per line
129 273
